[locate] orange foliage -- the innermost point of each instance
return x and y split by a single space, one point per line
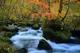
55 13
37 1
39 12
42 4
47 14
44 8
31 1
50 18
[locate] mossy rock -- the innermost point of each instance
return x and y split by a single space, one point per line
57 36
49 34
64 34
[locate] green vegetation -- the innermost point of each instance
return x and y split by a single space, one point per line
48 14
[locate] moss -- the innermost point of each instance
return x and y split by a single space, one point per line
63 34
8 34
57 36
6 48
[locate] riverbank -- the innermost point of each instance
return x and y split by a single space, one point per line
49 34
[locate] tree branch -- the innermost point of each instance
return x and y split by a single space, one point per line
66 11
61 6
49 5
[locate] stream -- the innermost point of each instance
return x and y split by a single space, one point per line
29 39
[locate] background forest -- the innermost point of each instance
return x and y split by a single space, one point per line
58 17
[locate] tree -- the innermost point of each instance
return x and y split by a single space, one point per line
43 9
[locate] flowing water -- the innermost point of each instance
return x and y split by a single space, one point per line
29 38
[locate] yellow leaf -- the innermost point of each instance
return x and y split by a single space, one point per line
13 17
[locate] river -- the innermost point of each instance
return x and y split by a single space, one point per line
29 39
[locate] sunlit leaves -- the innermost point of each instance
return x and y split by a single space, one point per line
54 8
13 17
17 8
42 8
25 11
32 9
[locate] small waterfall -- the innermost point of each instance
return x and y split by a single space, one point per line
65 48
73 38
29 38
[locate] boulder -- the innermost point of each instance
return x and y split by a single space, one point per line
43 45
23 50
75 33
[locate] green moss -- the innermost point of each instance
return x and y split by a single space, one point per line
6 48
8 34
63 34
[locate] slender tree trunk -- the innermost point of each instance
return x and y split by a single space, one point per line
49 5
60 7
66 11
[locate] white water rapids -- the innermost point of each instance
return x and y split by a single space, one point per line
29 39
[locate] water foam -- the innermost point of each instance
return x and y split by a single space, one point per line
29 38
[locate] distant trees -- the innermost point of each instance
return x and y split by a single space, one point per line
39 11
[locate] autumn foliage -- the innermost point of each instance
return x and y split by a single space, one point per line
43 11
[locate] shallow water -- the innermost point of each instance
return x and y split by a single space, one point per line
44 51
30 38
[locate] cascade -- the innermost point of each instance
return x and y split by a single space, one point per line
29 38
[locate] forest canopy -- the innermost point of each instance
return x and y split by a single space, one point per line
40 11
